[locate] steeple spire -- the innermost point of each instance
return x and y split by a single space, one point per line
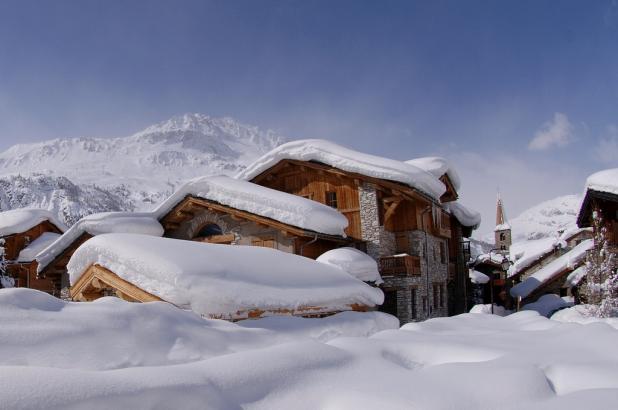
503 229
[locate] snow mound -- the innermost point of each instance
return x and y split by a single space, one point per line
437 166
486 310
604 181
547 304
583 314
279 206
20 220
348 160
222 280
97 224
162 356
466 216
569 260
354 262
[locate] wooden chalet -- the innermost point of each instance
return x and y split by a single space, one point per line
204 220
263 277
418 244
98 282
37 226
607 204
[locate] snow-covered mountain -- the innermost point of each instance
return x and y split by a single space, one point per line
78 176
543 220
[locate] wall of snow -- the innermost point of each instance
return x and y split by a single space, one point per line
604 181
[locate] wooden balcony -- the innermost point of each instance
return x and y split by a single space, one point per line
400 265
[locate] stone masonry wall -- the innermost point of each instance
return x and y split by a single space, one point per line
381 242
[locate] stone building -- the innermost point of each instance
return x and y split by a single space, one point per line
397 214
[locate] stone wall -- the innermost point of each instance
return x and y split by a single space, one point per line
245 232
434 271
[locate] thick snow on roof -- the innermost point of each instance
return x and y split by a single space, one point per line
502 227
526 253
29 252
576 276
97 224
348 160
221 280
20 220
477 277
352 261
466 216
437 166
569 260
604 181
280 206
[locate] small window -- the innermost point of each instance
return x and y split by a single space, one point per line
264 242
442 252
425 304
402 245
502 236
331 199
502 247
210 230
308 196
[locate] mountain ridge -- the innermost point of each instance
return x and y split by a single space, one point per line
127 173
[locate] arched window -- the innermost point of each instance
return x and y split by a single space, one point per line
502 236
209 230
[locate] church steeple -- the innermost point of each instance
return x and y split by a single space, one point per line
503 229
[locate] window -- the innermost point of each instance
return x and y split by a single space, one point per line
210 230
390 302
402 245
425 304
502 236
264 242
442 252
413 302
308 196
502 247
331 199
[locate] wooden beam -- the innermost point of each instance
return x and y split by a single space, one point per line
391 209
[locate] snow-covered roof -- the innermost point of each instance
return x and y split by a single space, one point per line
221 280
604 181
525 253
29 252
576 276
20 220
437 166
247 196
354 262
348 160
502 227
97 224
569 260
466 216
477 277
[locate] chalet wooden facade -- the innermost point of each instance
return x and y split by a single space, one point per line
607 204
200 219
418 244
24 272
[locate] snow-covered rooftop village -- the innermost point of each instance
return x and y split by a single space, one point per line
420 218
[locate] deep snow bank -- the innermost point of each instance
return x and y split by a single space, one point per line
53 353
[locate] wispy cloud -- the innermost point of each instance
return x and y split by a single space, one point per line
606 150
557 132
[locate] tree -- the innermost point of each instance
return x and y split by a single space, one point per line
5 280
602 277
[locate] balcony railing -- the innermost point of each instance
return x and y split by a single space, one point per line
400 265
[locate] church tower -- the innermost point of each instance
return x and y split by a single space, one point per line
503 229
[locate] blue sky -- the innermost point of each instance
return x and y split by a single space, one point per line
475 81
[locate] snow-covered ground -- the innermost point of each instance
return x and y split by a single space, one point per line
114 354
